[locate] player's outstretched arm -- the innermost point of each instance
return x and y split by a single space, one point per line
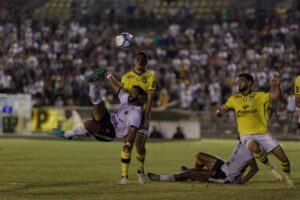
253 170
114 84
221 111
275 87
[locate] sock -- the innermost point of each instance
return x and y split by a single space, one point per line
167 178
94 93
140 162
125 161
80 131
286 168
262 156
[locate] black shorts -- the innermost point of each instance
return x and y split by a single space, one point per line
107 130
217 175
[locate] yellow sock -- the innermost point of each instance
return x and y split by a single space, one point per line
125 160
286 168
140 162
262 156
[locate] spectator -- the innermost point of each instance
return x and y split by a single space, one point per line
155 134
178 135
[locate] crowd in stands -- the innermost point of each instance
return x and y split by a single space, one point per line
196 64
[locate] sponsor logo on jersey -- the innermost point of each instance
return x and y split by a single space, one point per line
242 113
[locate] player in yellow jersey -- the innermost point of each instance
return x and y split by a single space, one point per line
252 116
297 91
141 77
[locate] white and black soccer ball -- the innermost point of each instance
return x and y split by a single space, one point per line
124 40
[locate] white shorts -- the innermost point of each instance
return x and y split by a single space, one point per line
266 141
143 131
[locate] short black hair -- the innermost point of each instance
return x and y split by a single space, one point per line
249 77
143 57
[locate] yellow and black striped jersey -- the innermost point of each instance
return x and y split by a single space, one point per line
146 81
251 112
297 86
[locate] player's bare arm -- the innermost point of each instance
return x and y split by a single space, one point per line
251 172
297 101
221 111
147 107
115 85
275 87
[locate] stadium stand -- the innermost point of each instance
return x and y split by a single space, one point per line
196 47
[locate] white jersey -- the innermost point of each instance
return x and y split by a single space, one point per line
238 161
125 116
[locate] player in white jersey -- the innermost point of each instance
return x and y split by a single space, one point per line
122 123
209 168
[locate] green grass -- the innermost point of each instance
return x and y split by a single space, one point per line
60 169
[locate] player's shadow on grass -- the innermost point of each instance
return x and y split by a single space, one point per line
21 187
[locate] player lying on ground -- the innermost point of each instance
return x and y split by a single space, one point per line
209 168
122 123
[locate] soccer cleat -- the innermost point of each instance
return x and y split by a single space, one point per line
183 168
97 75
58 132
142 178
276 174
153 177
290 182
124 181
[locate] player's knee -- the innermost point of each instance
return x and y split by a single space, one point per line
126 148
140 147
254 147
92 126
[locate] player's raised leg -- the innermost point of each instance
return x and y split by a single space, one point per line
98 110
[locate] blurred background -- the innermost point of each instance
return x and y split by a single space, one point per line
196 50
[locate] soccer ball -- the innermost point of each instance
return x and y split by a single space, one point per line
124 40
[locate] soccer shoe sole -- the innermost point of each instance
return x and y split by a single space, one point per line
97 75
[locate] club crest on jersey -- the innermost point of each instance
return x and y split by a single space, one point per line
144 80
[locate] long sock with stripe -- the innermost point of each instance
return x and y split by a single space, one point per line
125 161
286 168
140 162
262 156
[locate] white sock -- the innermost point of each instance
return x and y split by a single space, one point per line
167 178
80 131
94 93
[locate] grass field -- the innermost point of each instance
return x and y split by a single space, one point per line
89 170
